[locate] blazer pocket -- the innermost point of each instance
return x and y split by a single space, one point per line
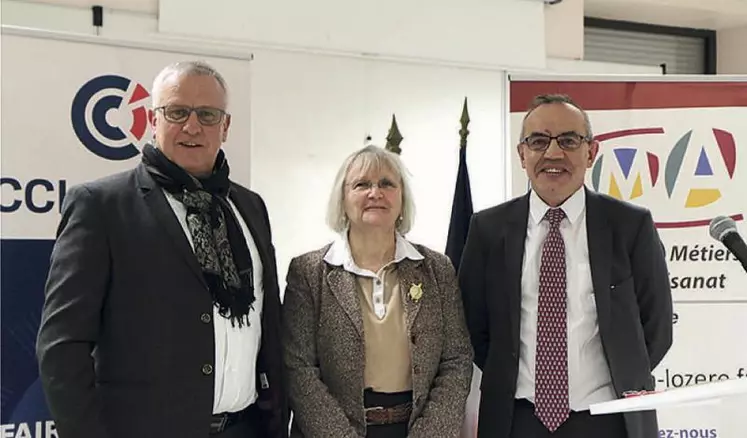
626 283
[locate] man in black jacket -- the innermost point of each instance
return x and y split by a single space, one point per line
566 293
161 316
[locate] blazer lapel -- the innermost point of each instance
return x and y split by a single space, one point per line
515 236
344 287
165 216
409 276
599 236
253 218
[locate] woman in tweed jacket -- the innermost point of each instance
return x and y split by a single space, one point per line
374 334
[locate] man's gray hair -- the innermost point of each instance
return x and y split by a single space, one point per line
370 157
186 68
546 99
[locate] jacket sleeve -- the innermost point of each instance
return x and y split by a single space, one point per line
443 413
274 399
71 317
653 291
472 286
315 410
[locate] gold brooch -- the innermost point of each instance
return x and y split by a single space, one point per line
416 292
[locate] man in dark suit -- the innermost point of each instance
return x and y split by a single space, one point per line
566 293
161 316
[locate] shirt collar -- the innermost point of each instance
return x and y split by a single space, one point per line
573 207
339 253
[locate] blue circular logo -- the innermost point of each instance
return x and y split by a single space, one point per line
91 106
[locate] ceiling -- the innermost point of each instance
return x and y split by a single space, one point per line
703 14
699 14
147 6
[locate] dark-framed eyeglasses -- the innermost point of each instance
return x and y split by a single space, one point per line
567 141
206 115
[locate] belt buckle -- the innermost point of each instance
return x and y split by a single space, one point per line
386 419
375 408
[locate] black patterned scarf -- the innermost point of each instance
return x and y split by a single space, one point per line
219 244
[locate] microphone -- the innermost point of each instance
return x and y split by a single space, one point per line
724 229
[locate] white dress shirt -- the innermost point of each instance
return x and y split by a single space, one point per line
589 377
236 349
339 254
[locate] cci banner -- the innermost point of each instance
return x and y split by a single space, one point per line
679 149
62 126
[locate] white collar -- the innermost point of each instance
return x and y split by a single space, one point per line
339 253
573 207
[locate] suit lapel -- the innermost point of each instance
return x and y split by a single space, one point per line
599 236
410 275
269 357
165 216
515 237
253 219
344 287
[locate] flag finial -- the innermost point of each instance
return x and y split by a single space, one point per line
461 206
464 120
394 138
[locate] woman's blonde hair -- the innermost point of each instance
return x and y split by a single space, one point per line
370 157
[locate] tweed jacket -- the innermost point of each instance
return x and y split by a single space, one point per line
325 355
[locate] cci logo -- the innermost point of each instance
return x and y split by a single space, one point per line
700 182
99 114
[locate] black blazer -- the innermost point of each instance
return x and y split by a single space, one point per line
126 344
631 287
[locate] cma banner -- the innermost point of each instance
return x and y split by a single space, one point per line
680 150
635 166
81 123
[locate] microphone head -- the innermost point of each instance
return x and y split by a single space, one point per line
721 226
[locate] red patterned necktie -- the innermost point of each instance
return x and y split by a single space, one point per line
551 372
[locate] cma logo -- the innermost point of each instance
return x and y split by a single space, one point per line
633 171
110 118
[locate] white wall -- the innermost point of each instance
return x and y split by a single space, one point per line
732 50
310 111
117 23
559 65
564 30
487 33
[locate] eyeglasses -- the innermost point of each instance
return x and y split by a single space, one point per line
363 185
567 141
206 115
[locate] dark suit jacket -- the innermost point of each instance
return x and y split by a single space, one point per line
324 349
126 342
631 287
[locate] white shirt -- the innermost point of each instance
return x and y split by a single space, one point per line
236 349
339 254
589 377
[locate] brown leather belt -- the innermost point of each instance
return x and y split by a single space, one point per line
378 415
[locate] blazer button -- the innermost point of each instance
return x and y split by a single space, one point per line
207 369
416 369
206 318
412 339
